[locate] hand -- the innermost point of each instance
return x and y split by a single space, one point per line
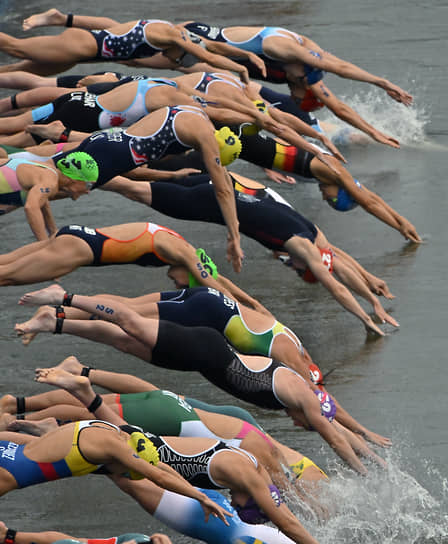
407 229
259 63
158 538
210 507
397 93
377 439
373 329
383 315
332 148
379 287
386 140
184 172
278 177
235 254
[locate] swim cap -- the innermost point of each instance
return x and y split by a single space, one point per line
313 74
251 513
327 256
316 374
310 102
327 404
251 128
207 264
229 145
343 202
79 165
145 449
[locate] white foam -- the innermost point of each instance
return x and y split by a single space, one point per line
406 124
386 506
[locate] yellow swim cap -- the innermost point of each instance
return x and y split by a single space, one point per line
252 128
229 145
145 449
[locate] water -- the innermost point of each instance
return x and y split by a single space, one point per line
396 385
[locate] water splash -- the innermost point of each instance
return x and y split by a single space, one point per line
389 507
405 124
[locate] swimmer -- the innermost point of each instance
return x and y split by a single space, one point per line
83 447
338 187
48 55
291 58
204 462
144 244
31 184
259 380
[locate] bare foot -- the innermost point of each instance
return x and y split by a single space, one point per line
5 420
52 131
44 321
71 365
8 403
60 378
28 337
52 17
35 428
50 295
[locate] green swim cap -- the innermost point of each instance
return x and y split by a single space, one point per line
208 265
230 145
79 165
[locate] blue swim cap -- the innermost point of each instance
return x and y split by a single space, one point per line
343 202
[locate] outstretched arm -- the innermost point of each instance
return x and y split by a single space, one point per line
43 185
307 252
368 200
375 284
291 52
349 115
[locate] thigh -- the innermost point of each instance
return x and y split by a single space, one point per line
57 258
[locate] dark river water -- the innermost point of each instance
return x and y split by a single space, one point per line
396 385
